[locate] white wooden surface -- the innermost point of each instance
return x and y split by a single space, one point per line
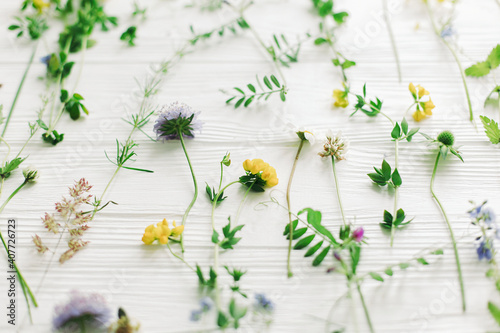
156 288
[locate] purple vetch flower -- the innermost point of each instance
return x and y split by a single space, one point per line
484 251
196 315
89 311
205 304
483 213
263 303
358 234
337 256
176 119
448 31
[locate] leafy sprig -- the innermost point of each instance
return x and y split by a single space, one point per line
31 26
221 30
129 35
283 52
369 107
385 176
491 129
229 239
270 86
485 67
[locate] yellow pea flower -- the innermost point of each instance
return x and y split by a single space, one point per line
422 92
40 5
428 106
418 115
340 97
177 230
413 90
262 170
148 238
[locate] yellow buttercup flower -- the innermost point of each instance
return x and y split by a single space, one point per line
340 97
161 232
40 5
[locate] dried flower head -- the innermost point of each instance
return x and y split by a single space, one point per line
335 146
39 245
123 324
82 313
175 120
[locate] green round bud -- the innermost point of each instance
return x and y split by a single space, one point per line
446 138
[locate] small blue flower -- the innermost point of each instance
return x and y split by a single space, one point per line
448 31
46 60
196 315
483 213
263 303
205 304
484 251
174 120
89 310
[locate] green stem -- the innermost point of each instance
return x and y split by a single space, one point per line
365 308
393 40
216 246
457 60
331 45
388 118
455 249
24 285
180 258
96 208
19 88
338 191
195 196
288 188
396 195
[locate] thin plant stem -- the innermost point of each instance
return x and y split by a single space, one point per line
396 194
393 39
216 246
180 258
457 60
195 196
290 228
25 287
365 308
19 88
455 249
338 191
96 208
336 54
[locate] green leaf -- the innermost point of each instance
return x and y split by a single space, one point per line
389 271
313 249
304 242
282 95
321 256
491 129
422 261
386 170
412 132
404 265
319 41
396 131
298 233
376 276
495 312
404 126
251 88
238 103
222 320
275 81
438 252
248 101
479 69
396 178
340 17
267 83
287 227
314 218
494 57
215 237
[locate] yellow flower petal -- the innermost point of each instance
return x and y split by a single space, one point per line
148 238
177 231
418 115
412 89
163 240
340 99
422 92
428 106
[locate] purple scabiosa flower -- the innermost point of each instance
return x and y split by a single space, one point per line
484 251
358 234
263 303
81 311
175 120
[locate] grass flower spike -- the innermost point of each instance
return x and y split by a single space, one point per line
176 122
162 233
424 108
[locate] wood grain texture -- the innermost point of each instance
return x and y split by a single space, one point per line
157 289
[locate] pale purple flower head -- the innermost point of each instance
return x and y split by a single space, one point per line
263 303
174 120
484 213
89 310
358 234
